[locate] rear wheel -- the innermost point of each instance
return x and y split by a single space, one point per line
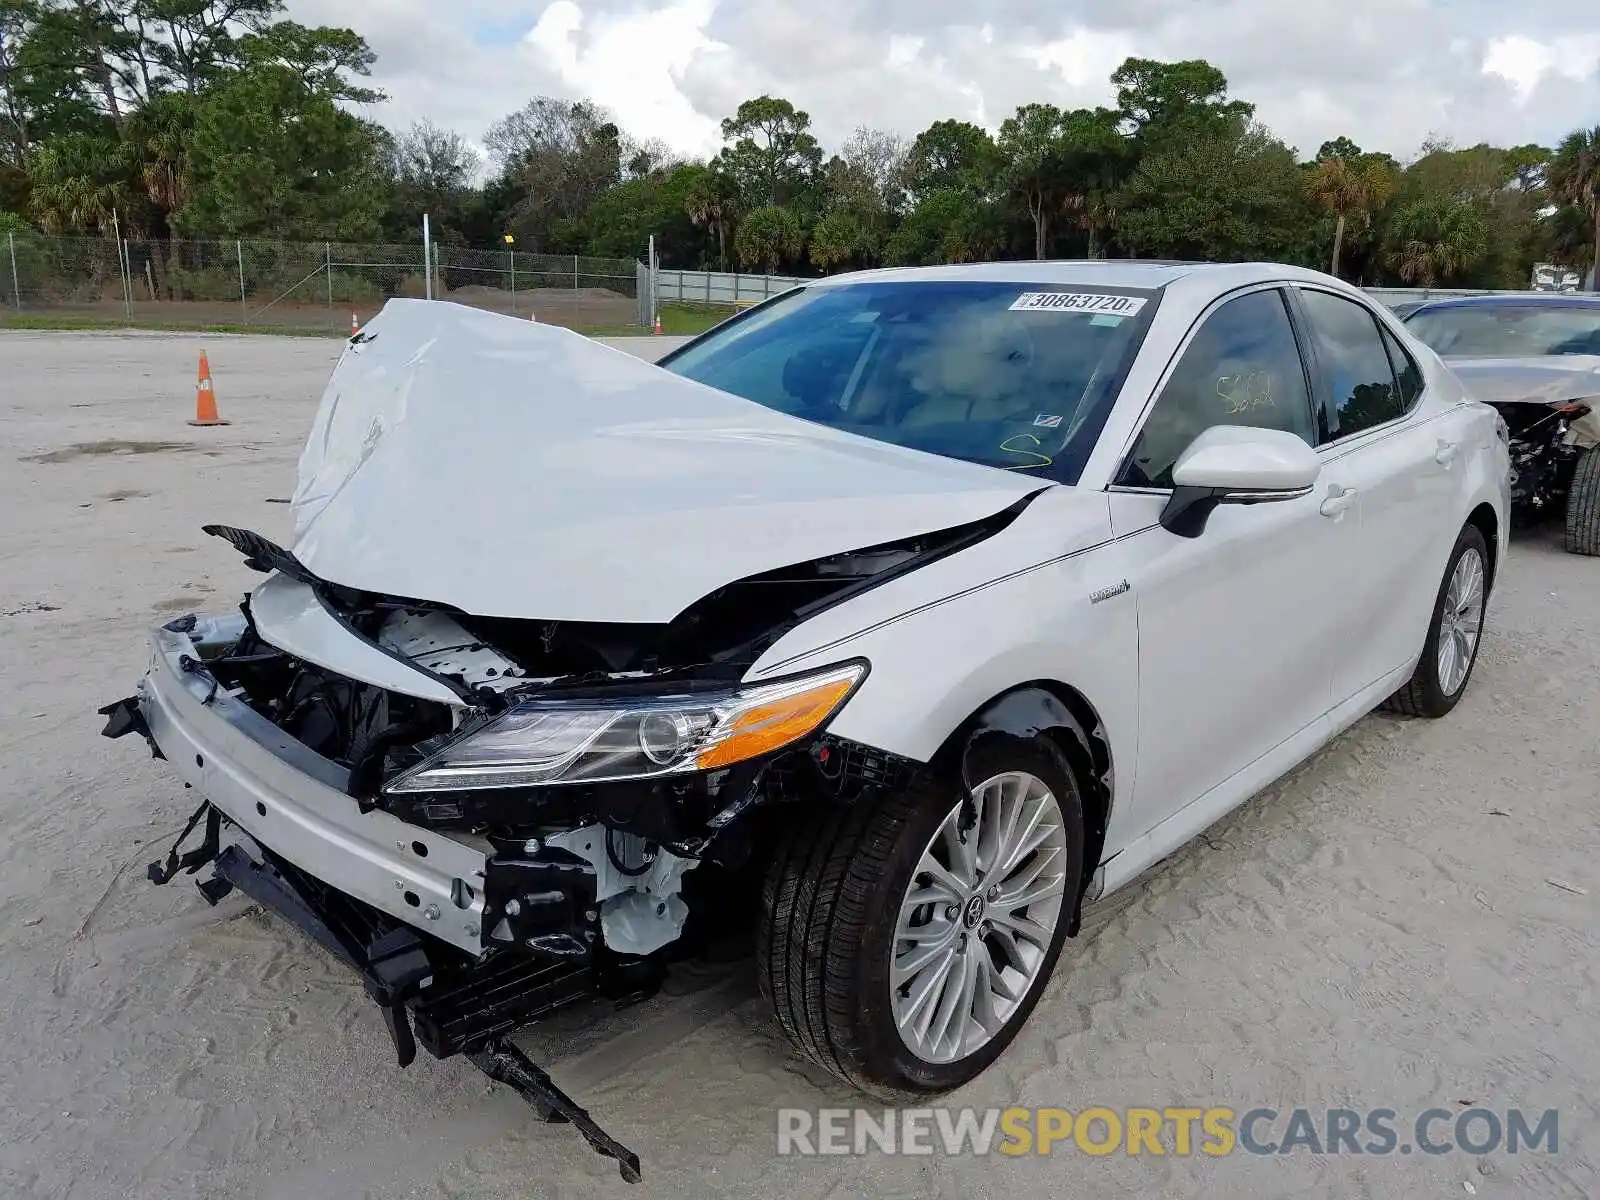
1583 505
1451 650
903 954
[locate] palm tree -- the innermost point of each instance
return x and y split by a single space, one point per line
1433 240
713 203
1574 179
79 183
1566 236
159 135
768 237
1348 189
836 238
1094 159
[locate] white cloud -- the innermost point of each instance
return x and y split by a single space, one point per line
903 50
554 31
1385 72
1085 58
632 64
1524 62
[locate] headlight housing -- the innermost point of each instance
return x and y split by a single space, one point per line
543 742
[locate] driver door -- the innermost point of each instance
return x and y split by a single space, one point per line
1236 645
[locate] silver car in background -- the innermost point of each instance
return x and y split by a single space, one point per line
1536 358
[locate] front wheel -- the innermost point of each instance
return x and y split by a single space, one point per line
1583 505
1451 650
902 952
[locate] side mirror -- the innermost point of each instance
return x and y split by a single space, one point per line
1236 464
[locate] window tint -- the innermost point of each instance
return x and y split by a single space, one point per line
1242 368
1405 369
1359 389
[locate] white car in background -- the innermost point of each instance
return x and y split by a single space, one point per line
930 605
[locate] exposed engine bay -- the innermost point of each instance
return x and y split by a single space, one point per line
576 867
1543 454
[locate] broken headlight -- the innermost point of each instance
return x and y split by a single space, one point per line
555 741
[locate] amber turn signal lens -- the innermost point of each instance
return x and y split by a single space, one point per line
775 723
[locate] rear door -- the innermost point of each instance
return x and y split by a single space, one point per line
1396 457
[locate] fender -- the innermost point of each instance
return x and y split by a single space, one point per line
1034 713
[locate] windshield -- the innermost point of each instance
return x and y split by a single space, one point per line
1004 374
1509 330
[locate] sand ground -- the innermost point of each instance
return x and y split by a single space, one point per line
1377 930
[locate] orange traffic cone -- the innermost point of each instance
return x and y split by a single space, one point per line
657 329
205 398
355 325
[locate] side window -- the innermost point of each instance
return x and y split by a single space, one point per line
1358 381
1405 369
1242 368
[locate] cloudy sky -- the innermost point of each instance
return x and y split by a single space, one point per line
1386 72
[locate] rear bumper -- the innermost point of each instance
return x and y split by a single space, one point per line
291 800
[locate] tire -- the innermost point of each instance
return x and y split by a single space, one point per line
831 908
1427 694
1583 505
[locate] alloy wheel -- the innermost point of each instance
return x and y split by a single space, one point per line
977 920
1460 622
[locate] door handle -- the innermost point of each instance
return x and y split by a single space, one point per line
1337 501
1446 452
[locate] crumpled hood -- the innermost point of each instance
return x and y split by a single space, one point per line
1555 379
516 469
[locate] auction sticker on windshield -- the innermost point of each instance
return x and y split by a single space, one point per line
1087 302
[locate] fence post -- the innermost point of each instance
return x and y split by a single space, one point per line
122 273
327 255
427 259
708 288
736 287
244 304
574 273
513 281
125 266
16 288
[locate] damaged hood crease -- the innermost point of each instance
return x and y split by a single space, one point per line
1556 379
509 469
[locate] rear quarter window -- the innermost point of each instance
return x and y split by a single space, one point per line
1406 372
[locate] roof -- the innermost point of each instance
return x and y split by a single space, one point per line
1098 272
1513 300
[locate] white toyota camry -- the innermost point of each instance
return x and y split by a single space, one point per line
892 621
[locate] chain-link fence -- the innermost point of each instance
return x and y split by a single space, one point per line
318 285
326 285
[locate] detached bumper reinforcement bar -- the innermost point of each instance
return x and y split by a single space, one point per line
505 1063
468 1015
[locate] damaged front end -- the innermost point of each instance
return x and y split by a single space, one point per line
626 752
1545 441
491 818
1551 409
